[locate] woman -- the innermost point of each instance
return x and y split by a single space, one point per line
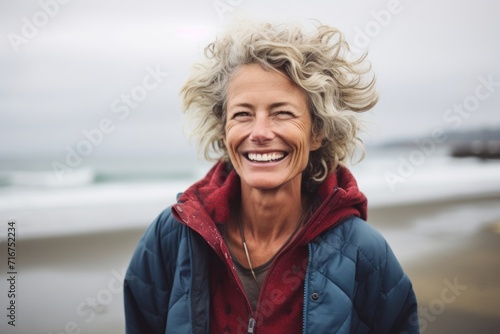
273 239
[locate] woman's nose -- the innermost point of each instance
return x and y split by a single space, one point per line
261 129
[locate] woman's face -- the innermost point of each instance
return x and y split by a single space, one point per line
268 128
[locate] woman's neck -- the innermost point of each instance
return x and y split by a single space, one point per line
270 216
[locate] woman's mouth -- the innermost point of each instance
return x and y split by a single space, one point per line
265 157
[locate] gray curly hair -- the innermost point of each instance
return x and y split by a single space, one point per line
337 85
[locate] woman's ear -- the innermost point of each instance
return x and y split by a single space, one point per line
222 139
316 141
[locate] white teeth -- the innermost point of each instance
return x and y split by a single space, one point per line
265 156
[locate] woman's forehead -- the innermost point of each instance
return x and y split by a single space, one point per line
253 83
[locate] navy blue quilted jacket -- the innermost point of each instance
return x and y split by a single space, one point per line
353 282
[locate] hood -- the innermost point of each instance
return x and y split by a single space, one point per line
337 198
208 202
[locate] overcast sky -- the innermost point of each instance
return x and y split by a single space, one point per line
64 68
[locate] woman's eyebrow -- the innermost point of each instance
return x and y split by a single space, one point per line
283 104
240 105
272 105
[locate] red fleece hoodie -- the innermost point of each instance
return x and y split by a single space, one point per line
207 204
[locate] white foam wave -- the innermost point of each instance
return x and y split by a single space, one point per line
440 179
77 177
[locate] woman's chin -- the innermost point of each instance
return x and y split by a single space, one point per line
268 181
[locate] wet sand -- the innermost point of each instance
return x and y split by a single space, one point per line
457 287
71 284
473 268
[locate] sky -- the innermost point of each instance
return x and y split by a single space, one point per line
67 68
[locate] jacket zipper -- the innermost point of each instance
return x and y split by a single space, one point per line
251 325
306 287
190 249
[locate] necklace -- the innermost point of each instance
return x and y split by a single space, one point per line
245 248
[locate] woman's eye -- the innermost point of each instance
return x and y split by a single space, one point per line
284 114
240 114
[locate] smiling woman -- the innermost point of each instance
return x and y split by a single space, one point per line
336 85
273 239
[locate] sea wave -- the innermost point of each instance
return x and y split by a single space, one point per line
40 178
438 178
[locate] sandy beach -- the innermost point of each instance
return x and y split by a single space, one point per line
450 249
475 267
457 283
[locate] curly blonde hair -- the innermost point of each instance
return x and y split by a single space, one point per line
337 85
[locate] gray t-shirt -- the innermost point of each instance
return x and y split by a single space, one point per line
252 290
